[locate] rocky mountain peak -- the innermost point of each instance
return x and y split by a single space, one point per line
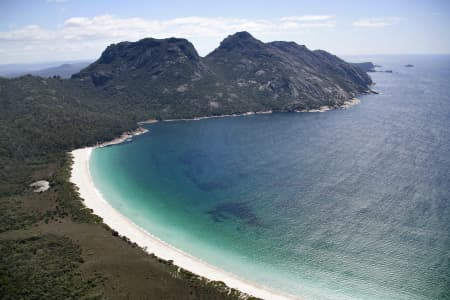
149 49
144 57
240 41
288 46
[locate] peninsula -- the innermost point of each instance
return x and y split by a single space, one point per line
43 119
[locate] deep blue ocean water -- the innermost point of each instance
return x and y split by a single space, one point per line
346 204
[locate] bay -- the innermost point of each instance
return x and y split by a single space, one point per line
346 204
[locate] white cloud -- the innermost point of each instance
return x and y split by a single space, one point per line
376 22
81 37
308 21
306 18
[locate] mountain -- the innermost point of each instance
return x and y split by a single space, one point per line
167 79
64 70
242 74
143 60
287 75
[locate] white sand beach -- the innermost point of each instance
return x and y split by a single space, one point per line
125 136
93 199
346 104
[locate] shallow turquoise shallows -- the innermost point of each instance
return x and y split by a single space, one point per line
346 204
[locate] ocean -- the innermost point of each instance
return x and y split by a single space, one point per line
345 204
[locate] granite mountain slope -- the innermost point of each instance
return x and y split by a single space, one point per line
167 79
242 74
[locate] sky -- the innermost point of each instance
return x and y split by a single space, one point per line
62 30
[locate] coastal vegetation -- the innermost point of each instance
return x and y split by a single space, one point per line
52 246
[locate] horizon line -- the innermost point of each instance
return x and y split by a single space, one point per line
74 60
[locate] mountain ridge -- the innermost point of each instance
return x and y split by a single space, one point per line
167 79
64 70
241 74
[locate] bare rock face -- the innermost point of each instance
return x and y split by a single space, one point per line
290 73
40 186
263 76
101 77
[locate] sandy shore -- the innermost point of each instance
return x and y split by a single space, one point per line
346 104
93 199
220 116
126 136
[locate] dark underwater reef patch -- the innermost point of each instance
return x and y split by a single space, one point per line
238 210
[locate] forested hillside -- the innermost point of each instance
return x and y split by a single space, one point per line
52 247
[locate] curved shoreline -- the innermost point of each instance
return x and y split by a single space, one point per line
345 105
93 199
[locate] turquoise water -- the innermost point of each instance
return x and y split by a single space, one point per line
347 204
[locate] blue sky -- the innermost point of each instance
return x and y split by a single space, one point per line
45 30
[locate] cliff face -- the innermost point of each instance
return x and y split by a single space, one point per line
242 74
